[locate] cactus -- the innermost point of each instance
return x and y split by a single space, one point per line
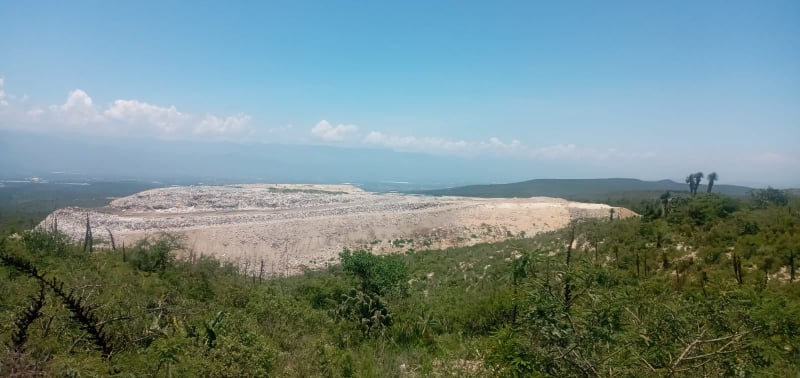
367 310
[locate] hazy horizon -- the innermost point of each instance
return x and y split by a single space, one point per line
458 93
21 156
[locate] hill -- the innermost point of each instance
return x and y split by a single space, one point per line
291 227
580 189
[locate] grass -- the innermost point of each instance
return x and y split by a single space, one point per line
632 298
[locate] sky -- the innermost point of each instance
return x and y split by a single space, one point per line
645 89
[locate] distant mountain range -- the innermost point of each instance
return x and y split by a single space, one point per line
580 189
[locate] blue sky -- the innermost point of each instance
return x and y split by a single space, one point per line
649 89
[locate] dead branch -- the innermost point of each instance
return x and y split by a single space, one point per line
685 356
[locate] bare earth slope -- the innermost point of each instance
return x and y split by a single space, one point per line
292 227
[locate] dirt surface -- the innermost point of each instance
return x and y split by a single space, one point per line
293 227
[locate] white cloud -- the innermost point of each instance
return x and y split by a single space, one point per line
227 127
35 113
122 117
492 146
166 120
126 117
324 131
79 109
415 144
343 134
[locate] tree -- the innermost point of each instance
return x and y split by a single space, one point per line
712 177
770 195
694 180
698 177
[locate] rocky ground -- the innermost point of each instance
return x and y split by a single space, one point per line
287 228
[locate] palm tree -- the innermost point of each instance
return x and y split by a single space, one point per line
694 182
711 178
697 178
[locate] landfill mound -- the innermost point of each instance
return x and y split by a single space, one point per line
282 229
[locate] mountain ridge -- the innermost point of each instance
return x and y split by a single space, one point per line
579 189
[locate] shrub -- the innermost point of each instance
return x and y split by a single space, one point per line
154 255
45 242
377 274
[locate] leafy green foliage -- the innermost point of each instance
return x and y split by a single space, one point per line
770 196
656 295
45 242
26 318
376 274
153 255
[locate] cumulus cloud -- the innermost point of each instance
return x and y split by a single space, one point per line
122 117
417 144
166 120
232 126
126 117
328 133
347 135
79 109
492 146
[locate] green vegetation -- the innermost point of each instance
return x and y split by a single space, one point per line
702 285
397 243
23 205
588 190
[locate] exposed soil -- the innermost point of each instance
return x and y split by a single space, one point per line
294 227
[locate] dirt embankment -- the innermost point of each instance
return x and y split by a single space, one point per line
293 227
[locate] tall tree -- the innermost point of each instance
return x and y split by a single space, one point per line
697 178
694 181
712 177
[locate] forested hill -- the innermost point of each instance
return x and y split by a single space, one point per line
579 189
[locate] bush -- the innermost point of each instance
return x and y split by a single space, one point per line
769 196
377 274
45 242
154 255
